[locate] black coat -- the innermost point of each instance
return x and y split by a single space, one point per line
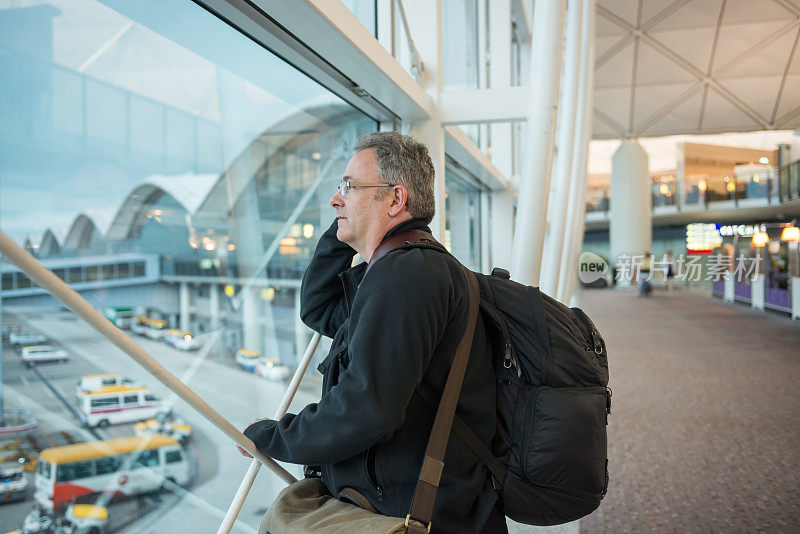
395 327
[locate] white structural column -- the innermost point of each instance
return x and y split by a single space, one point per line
501 218
758 287
630 223
425 19
302 333
546 48
213 304
680 178
251 331
185 305
565 147
576 207
246 222
270 332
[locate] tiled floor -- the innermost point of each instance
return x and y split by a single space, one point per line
705 430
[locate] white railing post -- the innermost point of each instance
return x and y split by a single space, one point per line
252 471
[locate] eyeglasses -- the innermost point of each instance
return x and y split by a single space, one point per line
345 186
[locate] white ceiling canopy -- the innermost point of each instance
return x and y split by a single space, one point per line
696 67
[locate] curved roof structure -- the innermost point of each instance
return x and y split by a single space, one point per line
188 190
48 244
83 225
290 128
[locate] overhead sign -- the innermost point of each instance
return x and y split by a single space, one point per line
702 238
742 230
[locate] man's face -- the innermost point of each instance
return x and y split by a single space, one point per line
359 213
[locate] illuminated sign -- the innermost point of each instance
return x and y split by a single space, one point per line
742 230
702 238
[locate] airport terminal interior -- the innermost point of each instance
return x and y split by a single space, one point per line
172 162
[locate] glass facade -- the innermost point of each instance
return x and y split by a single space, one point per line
365 11
162 163
460 45
461 51
463 216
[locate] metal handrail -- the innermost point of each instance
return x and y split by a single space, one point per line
72 300
255 465
252 471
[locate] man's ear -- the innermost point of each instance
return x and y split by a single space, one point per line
399 196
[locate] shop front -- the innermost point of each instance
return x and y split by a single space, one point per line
763 265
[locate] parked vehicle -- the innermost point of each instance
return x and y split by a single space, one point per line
87 518
26 338
138 324
170 333
272 369
185 340
39 522
89 383
13 450
42 353
247 359
121 317
118 404
13 484
155 328
127 466
166 424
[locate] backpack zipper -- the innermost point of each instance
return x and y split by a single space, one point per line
509 360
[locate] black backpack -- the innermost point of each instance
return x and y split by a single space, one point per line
549 456
552 404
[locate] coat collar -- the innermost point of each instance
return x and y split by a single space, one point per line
411 224
351 278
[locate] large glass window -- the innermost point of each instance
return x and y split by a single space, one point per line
460 44
162 161
364 10
147 459
461 51
463 216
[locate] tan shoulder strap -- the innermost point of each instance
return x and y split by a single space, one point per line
418 520
433 463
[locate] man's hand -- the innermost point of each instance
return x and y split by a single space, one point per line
241 450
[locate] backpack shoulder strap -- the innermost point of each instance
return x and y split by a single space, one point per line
409 237
495 466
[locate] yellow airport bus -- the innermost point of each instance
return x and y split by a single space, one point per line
122 466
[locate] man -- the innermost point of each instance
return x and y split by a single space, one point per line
393 328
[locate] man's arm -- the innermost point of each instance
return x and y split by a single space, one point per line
322 304
399 316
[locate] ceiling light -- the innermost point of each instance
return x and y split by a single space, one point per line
760 239
790 233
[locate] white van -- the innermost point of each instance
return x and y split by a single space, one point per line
118 404
97 382
42 353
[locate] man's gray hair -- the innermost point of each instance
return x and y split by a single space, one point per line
402 160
